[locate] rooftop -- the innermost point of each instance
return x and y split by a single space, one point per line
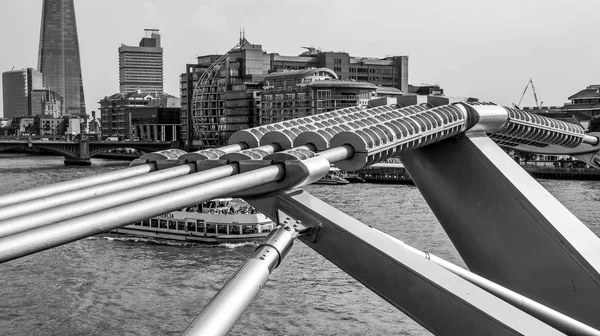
277 57
592 91
299 73
388 90
343 83
370 61
137 95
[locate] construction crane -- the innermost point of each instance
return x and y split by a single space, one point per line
537 104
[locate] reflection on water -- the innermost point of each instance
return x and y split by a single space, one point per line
133 286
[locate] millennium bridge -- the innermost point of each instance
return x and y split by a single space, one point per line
79 152
533 267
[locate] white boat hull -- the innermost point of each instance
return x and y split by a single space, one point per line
209 238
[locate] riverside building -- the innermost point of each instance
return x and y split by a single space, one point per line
141 67
389 71
223 93
226 96
146 115
297 93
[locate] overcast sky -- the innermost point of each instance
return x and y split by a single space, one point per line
478 48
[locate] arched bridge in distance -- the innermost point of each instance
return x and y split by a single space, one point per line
79 152
533 268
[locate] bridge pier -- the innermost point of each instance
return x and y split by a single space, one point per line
83 155
77 162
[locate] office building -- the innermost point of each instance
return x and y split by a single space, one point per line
390 71
155 123
298 93
584 105
17 87
141 67
223 94
140 114
48 125
58 58
226 95
187 84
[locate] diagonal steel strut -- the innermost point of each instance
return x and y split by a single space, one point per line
434 297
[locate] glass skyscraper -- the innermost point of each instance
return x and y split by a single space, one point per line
17 89
58 58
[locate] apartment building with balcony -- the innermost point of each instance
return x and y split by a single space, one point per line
224 93
297 93
389 71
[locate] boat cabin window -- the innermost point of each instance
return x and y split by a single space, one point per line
180 226
200 225
146 222
154 222
191 226
162 224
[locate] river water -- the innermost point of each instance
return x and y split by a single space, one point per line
125 286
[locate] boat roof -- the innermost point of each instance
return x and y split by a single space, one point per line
387 165
221 199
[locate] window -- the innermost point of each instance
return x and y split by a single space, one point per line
337 69
323 94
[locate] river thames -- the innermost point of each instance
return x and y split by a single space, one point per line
131 286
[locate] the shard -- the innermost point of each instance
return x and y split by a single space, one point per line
58 58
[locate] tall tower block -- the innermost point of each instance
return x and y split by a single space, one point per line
141 68
58 58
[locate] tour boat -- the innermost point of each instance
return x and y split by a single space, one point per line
386 173
224 220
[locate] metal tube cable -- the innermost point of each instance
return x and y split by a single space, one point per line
545 314
49 236
27 221
84 182
48 216
226 307
42 203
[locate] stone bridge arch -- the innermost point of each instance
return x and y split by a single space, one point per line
80 152
6 147
99 148
68 151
